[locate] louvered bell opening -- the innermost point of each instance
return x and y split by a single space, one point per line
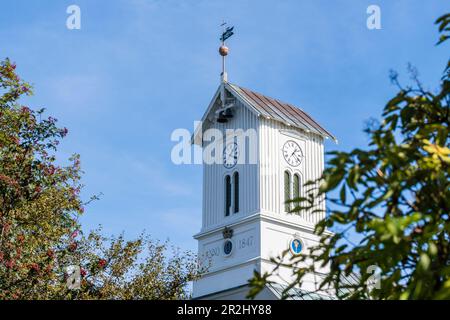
228 113
221 118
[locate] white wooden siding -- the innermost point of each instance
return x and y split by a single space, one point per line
272 165
214 175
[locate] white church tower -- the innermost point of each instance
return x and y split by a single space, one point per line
264 151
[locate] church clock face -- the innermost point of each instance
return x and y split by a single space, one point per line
230 155
292 153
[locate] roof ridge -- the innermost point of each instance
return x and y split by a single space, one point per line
282 111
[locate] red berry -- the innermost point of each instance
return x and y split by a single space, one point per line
10 264
34 267
102 263
73 246
50 253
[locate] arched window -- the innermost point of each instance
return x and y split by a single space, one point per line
287 190
236 192
296 188
227 195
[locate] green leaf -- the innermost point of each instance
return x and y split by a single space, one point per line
342 194
424 261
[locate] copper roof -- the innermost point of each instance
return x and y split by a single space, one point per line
280 111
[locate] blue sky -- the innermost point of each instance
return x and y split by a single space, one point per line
139 69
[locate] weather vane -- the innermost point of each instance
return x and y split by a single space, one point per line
223 50
228 32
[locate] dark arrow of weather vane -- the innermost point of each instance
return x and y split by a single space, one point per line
228 33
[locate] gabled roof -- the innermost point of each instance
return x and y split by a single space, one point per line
296 293
280 111
269 108
293 293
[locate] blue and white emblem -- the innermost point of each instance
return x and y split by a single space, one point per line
296 246
227 247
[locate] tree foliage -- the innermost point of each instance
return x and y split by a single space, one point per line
393 198
113 268
40 236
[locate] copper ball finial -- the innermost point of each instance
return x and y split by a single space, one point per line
223 50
